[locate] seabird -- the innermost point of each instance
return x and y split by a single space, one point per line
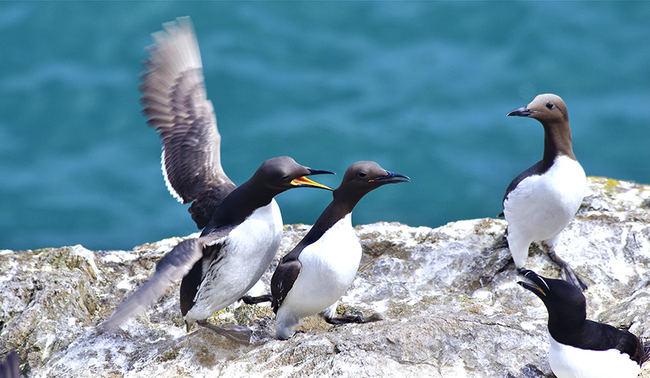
230 256
241 225
316 273
581 347
541 201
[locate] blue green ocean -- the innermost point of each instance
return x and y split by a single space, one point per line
421 87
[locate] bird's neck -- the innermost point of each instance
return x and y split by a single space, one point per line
333 213
241 203
557 141
565 327
252 195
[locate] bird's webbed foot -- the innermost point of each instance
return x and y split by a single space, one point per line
249 300
355 317
234 332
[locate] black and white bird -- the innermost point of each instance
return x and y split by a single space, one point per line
316 273
581 347
232 253
242 226
543 199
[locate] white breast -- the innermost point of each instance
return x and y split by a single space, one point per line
248 252
328 268
542 205
570 362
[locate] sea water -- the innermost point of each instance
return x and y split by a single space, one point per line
420 87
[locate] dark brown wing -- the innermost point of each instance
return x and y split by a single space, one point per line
171 267
282 281
193 279
176 105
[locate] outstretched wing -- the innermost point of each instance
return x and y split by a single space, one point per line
172 267
176 105
282 281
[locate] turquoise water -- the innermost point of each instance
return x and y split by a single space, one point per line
420 87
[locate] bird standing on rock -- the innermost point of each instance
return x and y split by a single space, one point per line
316 273
242 226
232 253
581 347
541 201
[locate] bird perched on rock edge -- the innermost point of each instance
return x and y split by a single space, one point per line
316 273
230 256
541 201
177 107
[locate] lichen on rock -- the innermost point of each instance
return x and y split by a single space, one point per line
448 296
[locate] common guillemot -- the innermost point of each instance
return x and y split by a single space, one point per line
176 105
242 225
316 273
581 347
541 201
230 256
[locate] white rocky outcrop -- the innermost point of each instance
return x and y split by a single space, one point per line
448 296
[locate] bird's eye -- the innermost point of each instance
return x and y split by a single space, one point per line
362 174
549 105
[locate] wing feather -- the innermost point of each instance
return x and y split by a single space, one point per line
173 266
176 105
282 281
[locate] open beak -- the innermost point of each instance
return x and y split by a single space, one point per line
537 284
304 181
390 178
521 112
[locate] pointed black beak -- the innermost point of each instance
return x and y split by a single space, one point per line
391 178
537 283
319 172
521 112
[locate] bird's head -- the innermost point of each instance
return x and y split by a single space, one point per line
283 173
544 108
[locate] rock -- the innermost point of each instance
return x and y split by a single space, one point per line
448 296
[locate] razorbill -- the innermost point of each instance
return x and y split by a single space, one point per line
176 105
541 201
230 256
316 273
581 347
